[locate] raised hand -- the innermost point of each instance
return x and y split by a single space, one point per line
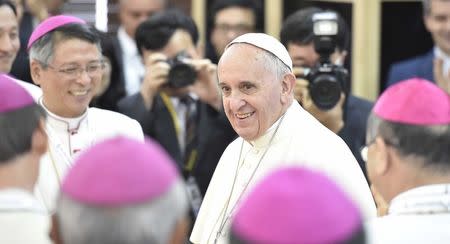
156 71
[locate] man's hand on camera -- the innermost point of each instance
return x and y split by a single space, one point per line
333 119
206 86
443 81
156 71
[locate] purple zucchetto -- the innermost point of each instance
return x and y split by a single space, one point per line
120 171
12 95
414 101
50 24
296 205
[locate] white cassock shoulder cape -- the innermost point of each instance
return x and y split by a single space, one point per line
66 143
300 140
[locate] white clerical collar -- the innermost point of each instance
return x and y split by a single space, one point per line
263 140
445 58
16 199
429 199
59 122
128 44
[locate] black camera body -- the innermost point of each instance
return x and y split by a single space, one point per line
180 74
326 80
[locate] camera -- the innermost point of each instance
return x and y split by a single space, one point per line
180 74
326 80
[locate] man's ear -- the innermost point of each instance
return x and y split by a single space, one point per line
39 139
36 71
384 162
287 87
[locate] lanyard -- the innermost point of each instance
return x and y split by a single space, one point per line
192 158
172 112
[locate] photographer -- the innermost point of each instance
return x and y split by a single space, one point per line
341 112
179 104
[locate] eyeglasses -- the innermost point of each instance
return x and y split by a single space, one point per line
365 149
239 28
92 69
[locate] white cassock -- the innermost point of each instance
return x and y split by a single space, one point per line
68 137
419 215
22 218
298 139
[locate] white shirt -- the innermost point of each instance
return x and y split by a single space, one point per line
22 218
70 136
419 215
133 68
180 110
445 58
299 140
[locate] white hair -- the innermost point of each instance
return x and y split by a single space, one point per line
150 222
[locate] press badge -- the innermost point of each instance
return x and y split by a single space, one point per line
194 195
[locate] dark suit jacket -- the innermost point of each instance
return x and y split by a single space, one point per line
420 66
356 112
214 133
21 66
116 90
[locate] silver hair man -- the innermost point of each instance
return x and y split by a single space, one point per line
151 222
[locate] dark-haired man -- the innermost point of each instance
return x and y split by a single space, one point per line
348 117
187 120
126 63
435 64
230 19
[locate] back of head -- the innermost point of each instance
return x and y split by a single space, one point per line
122 191
154 33
297 205
19 118
413 116
298 28
56 29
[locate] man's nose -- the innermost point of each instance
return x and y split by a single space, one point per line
235 101
84 78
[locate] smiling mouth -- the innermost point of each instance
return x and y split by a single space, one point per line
244 115
79 93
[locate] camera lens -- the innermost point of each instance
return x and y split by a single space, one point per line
325 91
181 75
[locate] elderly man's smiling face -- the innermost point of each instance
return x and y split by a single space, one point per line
254 95
70 80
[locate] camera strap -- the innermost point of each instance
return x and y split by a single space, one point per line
189 159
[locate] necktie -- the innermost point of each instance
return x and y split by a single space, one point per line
190 122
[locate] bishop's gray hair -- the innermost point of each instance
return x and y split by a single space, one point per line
43 49
151 222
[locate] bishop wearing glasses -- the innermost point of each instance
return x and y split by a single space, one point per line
66 62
